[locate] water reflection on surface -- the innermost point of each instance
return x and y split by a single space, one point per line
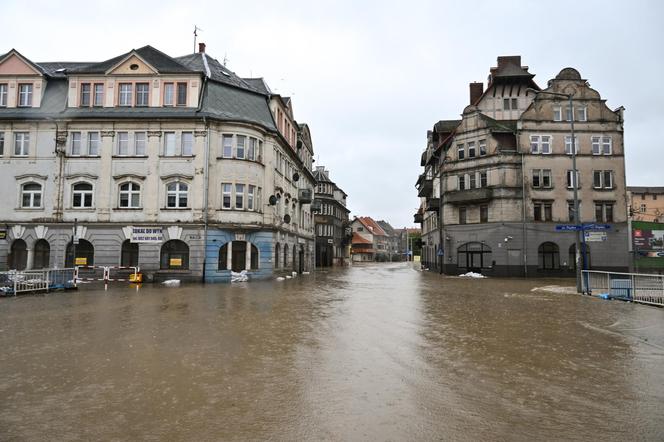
378 352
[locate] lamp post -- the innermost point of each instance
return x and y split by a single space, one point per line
579 231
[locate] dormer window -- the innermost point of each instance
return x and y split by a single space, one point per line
142 94
169 94
99 94
3 95
85 94
25 95
182 94
124 97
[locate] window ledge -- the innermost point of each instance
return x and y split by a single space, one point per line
240 159
84 156
177 156
603 189
30 209
127 208
128 156
238 210
176 208
81 209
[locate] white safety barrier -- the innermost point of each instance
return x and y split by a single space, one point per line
637 287
14 282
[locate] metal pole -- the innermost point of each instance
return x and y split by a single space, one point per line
74 239
578 232
440 213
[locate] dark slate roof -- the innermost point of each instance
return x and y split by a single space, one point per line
499 126
321 177
446 125
234 104
259 85
55 68
157 59
52 104
218 72
648 190
386 227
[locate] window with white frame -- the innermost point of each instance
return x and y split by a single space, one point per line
31 195
169 144
75 143
540 144
81 195
581 113
251 192
123 143
601 145
3 94
472 181
21 144
510 104
643 208
604 212
603 179
124 94
98 95
557 113
568 144
482 146
182 94
142 94
140 143
569 113
93 144
542 178
187 143
177 195
462 182
226 195
484 181
240 140
570 179
251 150
25 95
471 149
227 146
86 94
239 196
169 94
130 195
461 153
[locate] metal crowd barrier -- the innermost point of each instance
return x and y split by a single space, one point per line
636 287
14 282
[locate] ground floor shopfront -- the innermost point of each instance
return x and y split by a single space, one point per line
515 249
162 252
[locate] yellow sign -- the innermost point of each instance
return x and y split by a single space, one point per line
175 262
81 261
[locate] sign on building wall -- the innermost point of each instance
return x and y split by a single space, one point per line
146 234
81 261
3 234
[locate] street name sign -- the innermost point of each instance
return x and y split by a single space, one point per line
567 227
594 236
575 228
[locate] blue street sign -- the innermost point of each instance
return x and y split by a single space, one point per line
596 227
567 227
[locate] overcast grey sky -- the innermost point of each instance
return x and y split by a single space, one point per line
370 78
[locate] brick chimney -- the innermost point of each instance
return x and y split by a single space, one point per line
511 59
201 48
476 91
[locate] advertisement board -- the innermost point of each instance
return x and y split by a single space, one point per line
146 235
648 244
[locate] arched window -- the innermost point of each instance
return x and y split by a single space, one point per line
129 254
474 256
294 259
81 195
176 194
130 195
254 257
18 255
277 252
548 256
174 255
85 254
42 254
239 258
31 195
585 249
223 257
285 256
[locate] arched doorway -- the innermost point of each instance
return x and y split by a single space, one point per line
42 254
301 260
277 253
85 254
129 254
294 258
18 255
585 257
548 256
285 256
174 255
254 257
473 257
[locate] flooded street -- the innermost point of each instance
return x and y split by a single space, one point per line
376 352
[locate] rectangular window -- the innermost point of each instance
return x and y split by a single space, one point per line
239 196
603 179
537 178
124 94
3 95
546 178
484 213
226 189
169 144
581 114
99 94
25 95
259 199
75 143
472 182
142 94
484 180
643 208
542 211
251 190
461 153
608 212
21 144
471 149
515 105
540 144
569 113
251 151
140 143
462 215
482 144
86 91
240 139
570 180
462 182
506 104
93 144
182 94
608 179
557 113
604 212
169 94
187 143
596 145
570 211
123 143
227 146
568 144
606 145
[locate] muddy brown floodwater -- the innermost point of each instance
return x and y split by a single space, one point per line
377 352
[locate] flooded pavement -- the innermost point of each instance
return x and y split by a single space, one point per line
377 352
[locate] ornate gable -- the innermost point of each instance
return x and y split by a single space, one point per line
132 65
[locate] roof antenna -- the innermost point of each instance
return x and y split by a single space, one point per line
196 28
225 60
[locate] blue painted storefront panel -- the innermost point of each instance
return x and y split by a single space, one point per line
216 240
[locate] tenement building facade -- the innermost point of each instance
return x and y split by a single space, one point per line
497 187
331 219
173 164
